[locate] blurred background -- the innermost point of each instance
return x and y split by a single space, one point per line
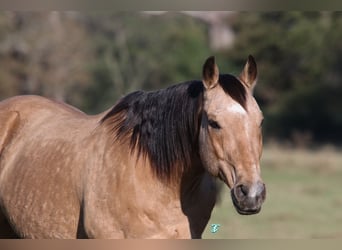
90 59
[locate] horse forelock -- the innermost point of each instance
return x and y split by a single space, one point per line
162 126
233 87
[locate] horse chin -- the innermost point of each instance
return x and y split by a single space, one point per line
222 177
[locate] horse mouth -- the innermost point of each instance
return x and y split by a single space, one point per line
246 211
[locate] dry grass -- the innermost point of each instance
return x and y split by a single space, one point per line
323 160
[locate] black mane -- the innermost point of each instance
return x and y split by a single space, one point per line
164 125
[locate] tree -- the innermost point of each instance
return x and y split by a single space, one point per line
44 53
138 51
299 57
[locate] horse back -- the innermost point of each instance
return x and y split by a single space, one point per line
27 118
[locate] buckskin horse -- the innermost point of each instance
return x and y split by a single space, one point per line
145 168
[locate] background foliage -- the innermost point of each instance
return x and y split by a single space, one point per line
91 59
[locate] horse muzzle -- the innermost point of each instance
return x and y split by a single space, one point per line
248 199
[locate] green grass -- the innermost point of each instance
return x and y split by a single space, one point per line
304 198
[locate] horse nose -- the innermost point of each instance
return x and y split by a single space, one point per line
249 198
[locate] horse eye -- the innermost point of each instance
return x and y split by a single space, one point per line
214 124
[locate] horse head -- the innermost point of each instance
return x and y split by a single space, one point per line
230 134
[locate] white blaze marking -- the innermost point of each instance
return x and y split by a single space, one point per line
237 108
254 188
253 191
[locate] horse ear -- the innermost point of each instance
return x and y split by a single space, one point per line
249 74
210 73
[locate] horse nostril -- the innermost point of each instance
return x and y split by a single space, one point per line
241 191
262 190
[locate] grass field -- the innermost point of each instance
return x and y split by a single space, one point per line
304 198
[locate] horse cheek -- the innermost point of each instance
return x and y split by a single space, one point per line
204 150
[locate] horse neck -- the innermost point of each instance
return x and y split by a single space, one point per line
191 178
198 194
192 194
